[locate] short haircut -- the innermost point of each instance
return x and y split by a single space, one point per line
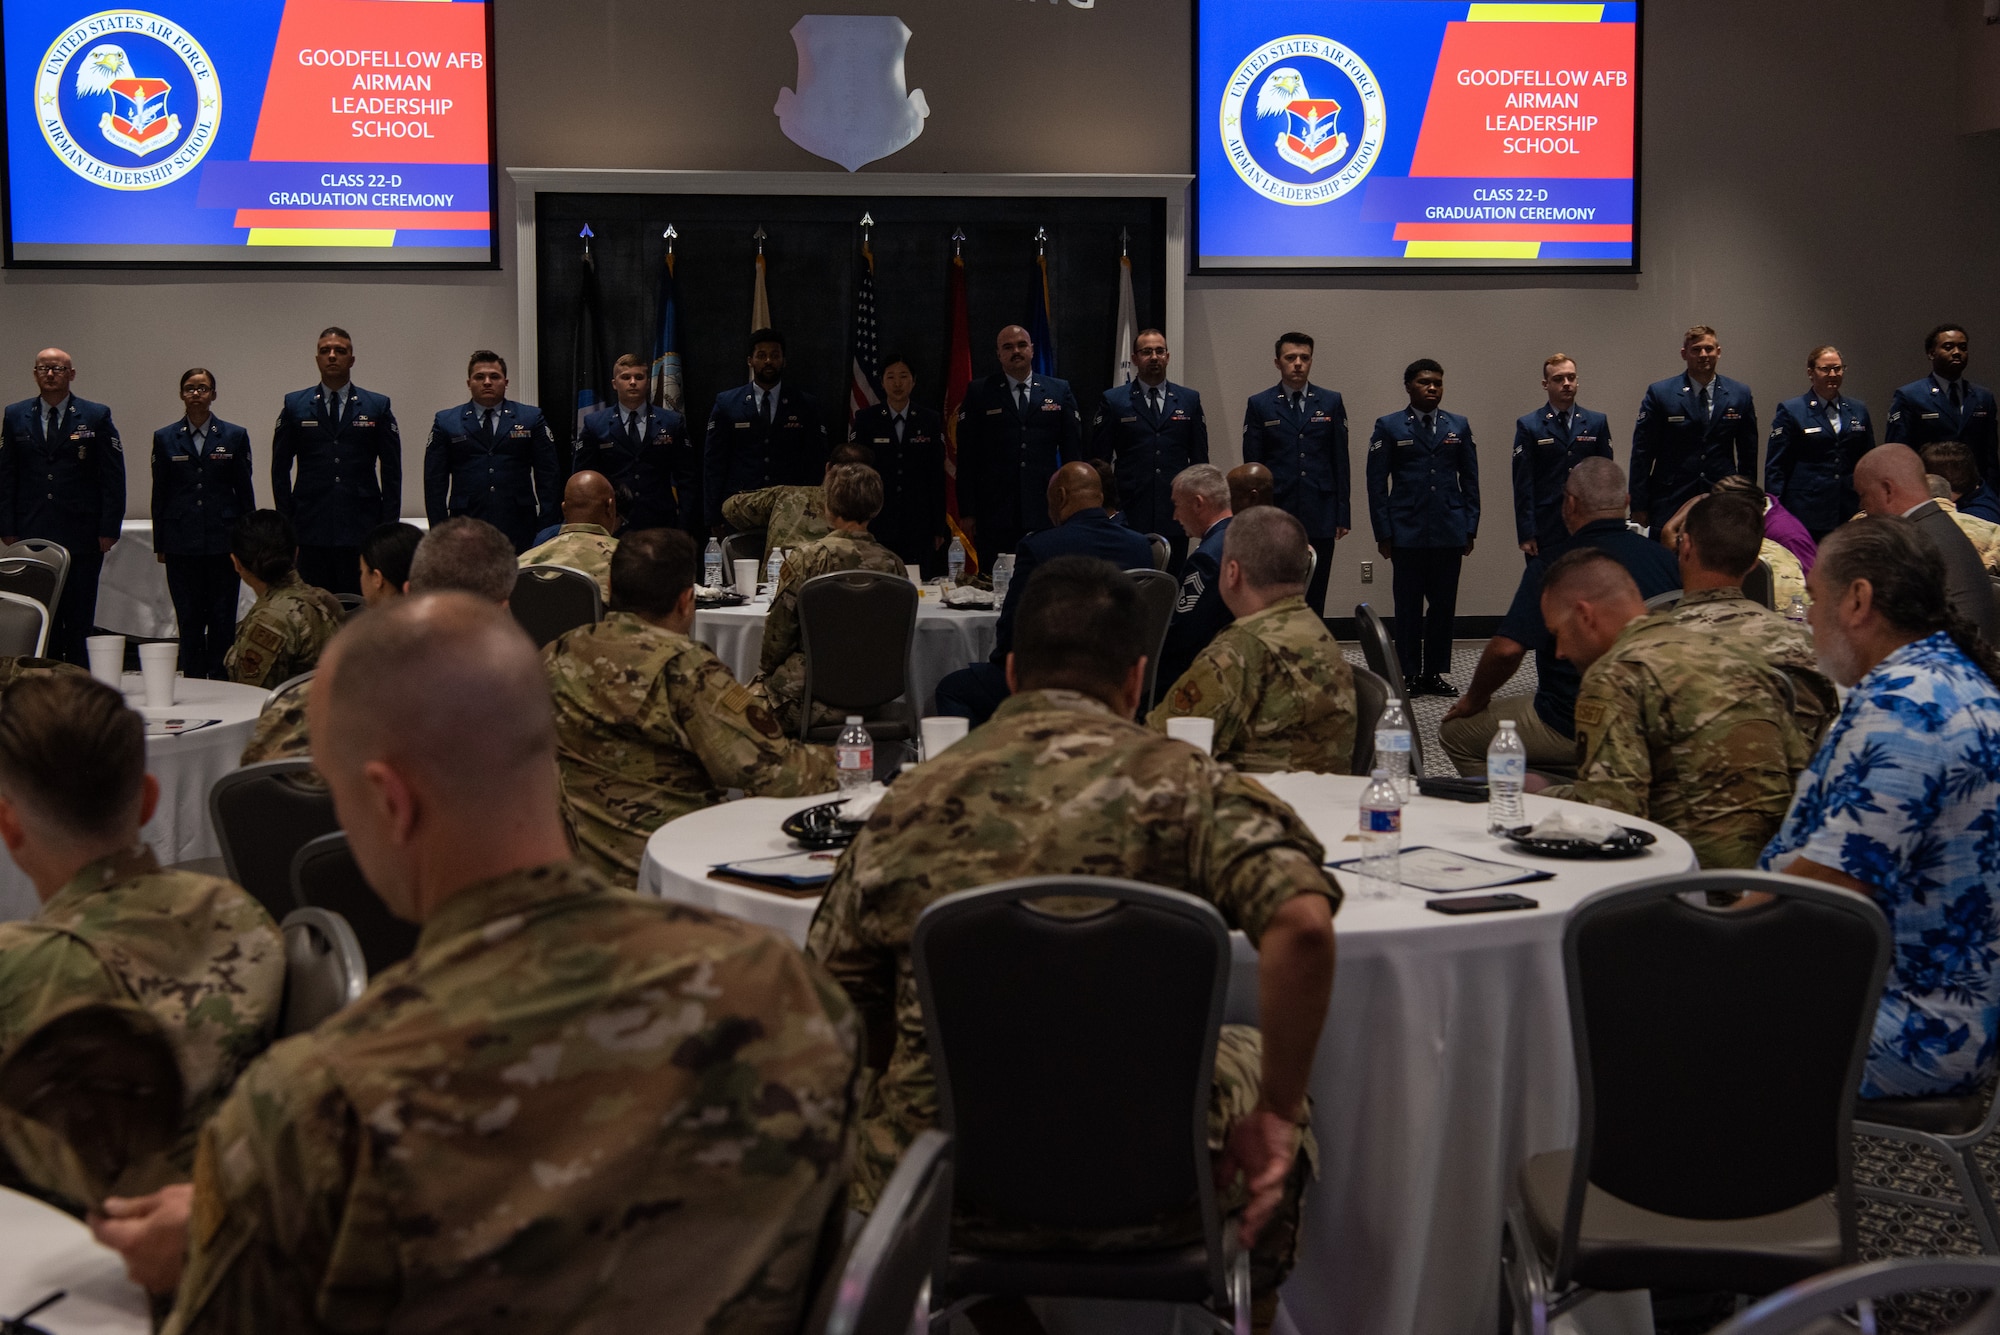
1817 353
1930 339
854 493
1080 626
1270 547
194 371
851 452
631 360
1107 481
1598 486
1727 530
765 336
266 544
481 358
1696 333
1295 337
337 332
1587 573
388 550
1938 487
1738 485
465 555
1418 367
890 359
1952 461
72 753
1555 359
1160 334
1205 481
650 570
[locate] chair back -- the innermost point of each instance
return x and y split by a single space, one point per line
549 600
856 627
887 1272
1379 649
324 972
31 577
1371 698
24 626
262 815
1163 552
745 546
325 876
351 603
46 550
1664 602
1758 585
1073 1052
1159 593
1735 1098
1803 1308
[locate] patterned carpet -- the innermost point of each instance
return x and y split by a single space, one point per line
1431 708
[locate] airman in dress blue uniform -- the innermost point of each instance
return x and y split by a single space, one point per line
202 484
1015 429
350 466
1944 405
1151 429
908 444
492 458
763 434
1548 442
1299 432
1816 439
1694 429
1423 506
644 449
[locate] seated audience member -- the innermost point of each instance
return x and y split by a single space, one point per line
463 555
649 723
1890 481
571 1107
286 628
196 951
1788 577
1717 547
791 517
1274 680
853 497
584 542
386 553
1985 537
1673 724
1899 803
1062 782
1107 477
1079 526
1594 505
1953 461
1782 528
1249 484
1201 507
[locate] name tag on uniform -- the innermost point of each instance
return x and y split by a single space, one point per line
1546 440
310 422
181 458
742 426
1677 419
1929 417
883 440
1401 443
1128 419
992 412
1272 422
1814 430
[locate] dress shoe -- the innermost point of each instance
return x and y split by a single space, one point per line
1433 684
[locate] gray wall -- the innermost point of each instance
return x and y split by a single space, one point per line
1805 178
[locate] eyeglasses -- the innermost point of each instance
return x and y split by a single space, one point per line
1829 370
41 367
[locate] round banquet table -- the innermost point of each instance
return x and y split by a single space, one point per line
185 766
1444 1064
48 1250
947 639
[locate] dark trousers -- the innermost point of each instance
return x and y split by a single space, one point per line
1322 572
335 569
1423 635
205 590
973 692
76 610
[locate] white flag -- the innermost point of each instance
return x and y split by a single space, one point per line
1122 370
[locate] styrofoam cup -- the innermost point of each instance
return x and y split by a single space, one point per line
746 578
158 662
940 732
107 659
1194 731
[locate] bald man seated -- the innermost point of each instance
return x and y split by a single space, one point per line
1081 527
1890 481
584 542
1249 484
571 1109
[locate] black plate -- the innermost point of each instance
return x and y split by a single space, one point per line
720 600
822 826
1627 843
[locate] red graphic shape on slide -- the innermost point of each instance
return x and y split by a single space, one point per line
1456 139
1423 231
393 48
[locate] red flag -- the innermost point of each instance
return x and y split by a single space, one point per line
957 379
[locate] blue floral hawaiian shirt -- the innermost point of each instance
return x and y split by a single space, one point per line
1904 796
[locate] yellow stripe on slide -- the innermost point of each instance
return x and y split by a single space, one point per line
322 236
1535 14
1471 250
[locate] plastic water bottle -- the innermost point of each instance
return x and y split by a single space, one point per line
1506 775
855 753
1381 838
773 565
1003 575
1795 610
1392 746
711 569
955 558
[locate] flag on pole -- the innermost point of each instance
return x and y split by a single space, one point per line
665 389
1041 319
589 386
864 379
957 379
760 304
1122 369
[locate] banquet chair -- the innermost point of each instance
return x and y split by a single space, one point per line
324 971
1758 586
1715 1134
1950 1127
1663 602
745 546
350 603
31 577
46 550
1815 1306
883 1284
262 815
325 876
1371 698
1163 552
549 600
1073 1055
1379 649
1159 592
857 628
24 626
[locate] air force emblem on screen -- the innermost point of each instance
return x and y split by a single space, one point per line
128 100
1303 120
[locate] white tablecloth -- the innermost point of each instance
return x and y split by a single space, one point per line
1445 1061
947 639
132 597
185 766
46 1250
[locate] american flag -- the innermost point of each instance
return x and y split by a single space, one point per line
864 388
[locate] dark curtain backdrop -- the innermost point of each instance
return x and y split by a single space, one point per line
811 252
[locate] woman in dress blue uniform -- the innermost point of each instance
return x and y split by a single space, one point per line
201 487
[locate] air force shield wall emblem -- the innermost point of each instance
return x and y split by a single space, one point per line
852 105
1303 83
151 95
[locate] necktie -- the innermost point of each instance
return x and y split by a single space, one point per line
1426 419
1021 396
632 430
1299 404
1957 395
770 408
1706 406
48 423
490 418
897 428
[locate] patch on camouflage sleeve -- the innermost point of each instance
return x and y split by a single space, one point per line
1187 697
1590 713
265 637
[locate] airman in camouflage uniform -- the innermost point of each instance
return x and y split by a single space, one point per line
196 951
280 733
1984 536
1788 577
1766 635
1677 726
650 726
585 547
17 669
571 1109
1055 783
1281 694
791 517
283 632
781 672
